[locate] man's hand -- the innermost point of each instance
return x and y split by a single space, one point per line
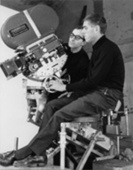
57 85
67 94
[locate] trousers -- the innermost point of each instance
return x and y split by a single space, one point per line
66 109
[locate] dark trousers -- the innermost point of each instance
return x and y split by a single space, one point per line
66 109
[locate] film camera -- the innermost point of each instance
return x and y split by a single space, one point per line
37 61
40 55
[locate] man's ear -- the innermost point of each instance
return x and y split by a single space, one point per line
97 28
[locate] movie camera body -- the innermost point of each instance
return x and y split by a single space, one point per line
40 55
37 61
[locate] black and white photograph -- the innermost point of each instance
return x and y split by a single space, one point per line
66 84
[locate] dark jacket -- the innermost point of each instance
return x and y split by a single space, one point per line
77 64
106 68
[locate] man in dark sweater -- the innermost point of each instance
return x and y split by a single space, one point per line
99 91
77 61
75 68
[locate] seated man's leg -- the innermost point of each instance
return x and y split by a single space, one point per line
90 104
52 106
86 105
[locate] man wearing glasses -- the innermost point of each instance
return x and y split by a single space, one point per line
77 58
76 67
77 62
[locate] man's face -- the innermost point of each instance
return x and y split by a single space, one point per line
89 32
76 39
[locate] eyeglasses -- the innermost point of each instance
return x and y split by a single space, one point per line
76 37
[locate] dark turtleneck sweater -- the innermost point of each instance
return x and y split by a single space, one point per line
106 68
76 67
77 64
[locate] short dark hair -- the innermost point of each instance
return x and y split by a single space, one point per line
97 19
79 27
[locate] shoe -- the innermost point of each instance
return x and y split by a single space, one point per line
32 161
7 158
21 163
6 154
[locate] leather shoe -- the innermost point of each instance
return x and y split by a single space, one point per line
7 159
32 161
6 154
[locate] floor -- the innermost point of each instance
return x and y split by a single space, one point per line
33 168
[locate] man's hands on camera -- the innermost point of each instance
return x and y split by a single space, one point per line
57 85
